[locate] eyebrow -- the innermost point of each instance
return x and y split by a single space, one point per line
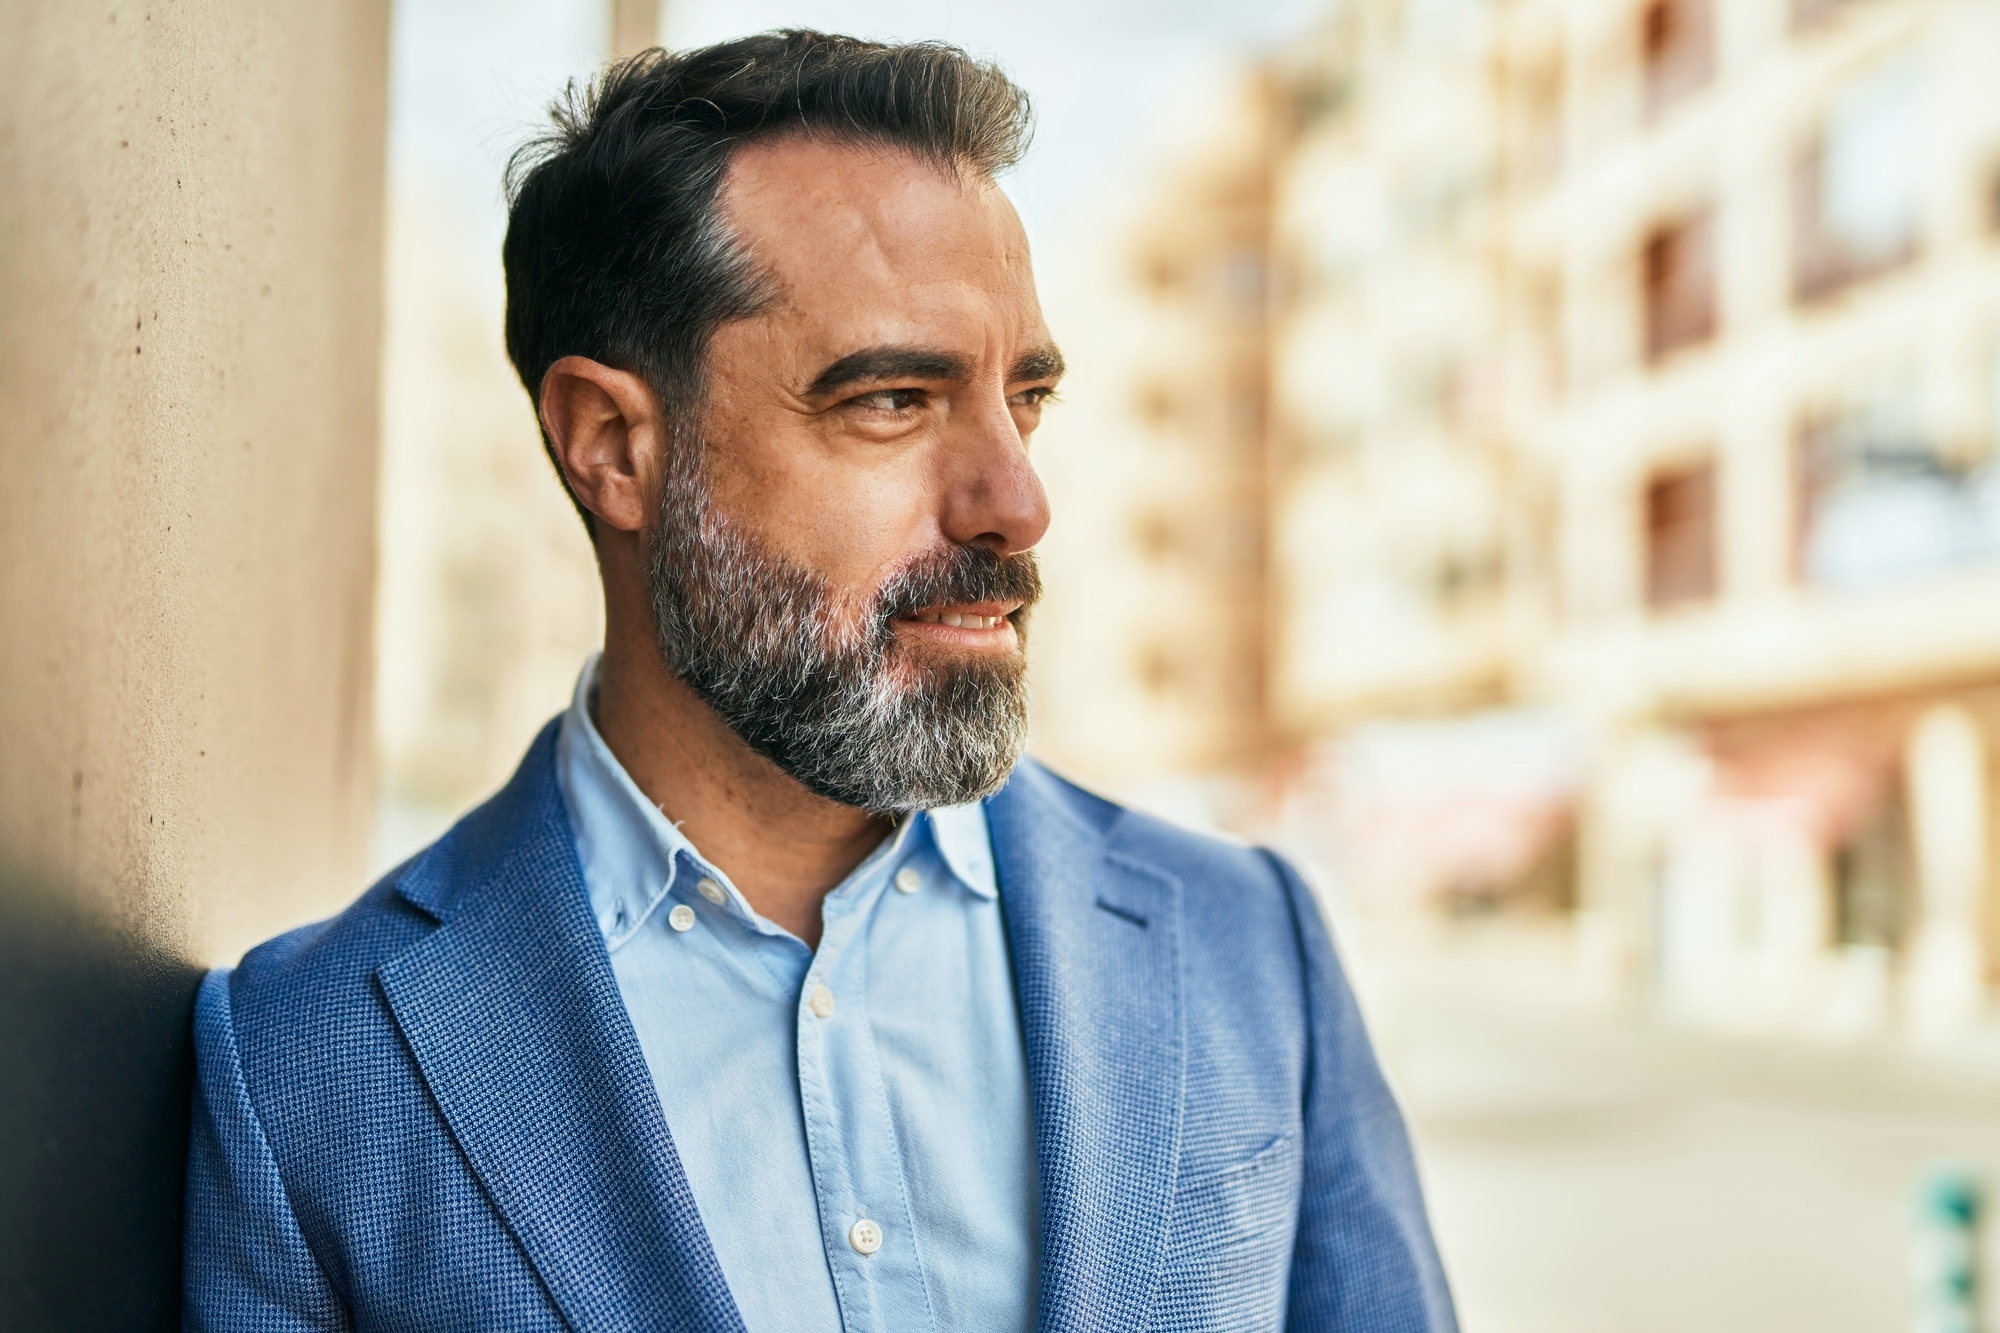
1044 363
874 364
889 363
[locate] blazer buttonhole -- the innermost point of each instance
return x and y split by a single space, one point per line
1122 913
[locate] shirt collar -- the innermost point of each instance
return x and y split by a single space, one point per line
631 853
967 848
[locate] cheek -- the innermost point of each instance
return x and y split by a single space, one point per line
850 520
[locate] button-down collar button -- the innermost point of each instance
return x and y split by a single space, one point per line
908 880
711 891
821 1003
681 918
865 1236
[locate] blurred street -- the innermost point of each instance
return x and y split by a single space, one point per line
1590 1171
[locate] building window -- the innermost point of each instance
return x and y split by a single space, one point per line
1679 275
1680 536
1164 670
1463 579
1805 13
1153 402
1676 49
1163 535
1536 100
1869 875
1879 504
1856 207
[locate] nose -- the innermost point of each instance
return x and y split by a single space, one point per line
993 498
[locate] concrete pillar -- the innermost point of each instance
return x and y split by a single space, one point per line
1946 767
191 204
190 217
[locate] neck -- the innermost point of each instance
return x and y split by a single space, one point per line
784 846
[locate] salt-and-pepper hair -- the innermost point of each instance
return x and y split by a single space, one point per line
616 248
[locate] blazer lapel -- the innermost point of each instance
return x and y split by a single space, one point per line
514 1017
1096 944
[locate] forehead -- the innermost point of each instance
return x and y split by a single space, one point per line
874 245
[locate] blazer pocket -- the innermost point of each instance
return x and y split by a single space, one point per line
1244 1200
1230 1259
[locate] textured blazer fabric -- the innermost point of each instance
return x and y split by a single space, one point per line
432 1112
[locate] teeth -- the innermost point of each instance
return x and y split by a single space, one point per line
957 621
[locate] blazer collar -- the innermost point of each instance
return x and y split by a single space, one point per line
1097 958
513 1015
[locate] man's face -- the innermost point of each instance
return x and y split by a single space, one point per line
880 408
839 564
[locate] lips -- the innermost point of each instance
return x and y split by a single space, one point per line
965 588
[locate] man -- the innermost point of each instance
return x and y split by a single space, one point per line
776 991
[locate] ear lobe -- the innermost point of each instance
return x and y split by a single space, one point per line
604 427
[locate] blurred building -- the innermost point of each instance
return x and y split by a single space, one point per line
1773 236
1410 563
1631 519
1151 648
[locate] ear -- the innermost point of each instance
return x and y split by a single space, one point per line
607 432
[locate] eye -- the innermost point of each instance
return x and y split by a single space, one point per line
1033 397
889 400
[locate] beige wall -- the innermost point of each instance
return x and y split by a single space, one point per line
190 219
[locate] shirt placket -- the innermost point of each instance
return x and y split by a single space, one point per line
865 1217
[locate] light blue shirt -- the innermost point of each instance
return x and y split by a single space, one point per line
854 1122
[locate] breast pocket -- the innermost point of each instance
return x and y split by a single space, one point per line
1229 1255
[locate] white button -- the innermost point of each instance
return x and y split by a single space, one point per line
908 880
821 1003
682 917
865 1236
711 891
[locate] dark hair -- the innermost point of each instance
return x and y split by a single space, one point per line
615 250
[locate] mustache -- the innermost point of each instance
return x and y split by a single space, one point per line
960 574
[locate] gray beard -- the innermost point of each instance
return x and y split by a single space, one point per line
754 635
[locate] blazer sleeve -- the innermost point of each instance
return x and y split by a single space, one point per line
1364 1260
246 1267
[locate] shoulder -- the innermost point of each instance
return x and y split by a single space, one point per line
308 997
1241 931
1247 885
316 1045
318 977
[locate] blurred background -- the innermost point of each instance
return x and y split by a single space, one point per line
1535 461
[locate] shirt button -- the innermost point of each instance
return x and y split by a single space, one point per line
681 918
865 1236
908 880
711 891
821 1003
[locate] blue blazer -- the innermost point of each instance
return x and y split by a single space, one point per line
431 1112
